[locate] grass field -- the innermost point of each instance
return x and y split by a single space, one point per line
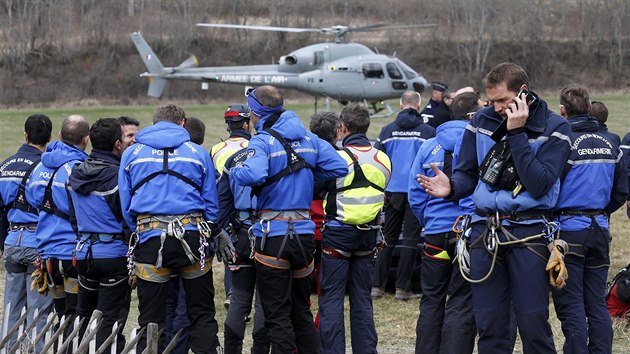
395 320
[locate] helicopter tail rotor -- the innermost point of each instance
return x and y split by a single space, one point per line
191 62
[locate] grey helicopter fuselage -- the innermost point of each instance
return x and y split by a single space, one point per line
342 71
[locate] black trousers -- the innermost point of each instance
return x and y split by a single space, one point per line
398 217
243 286
446 323
199 294
104 286
286 300
67 305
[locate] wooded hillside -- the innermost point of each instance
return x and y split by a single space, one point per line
57 51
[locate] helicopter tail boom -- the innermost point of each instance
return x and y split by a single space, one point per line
153 64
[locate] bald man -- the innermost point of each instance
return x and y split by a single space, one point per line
56 240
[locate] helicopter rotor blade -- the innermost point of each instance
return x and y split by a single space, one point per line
377 26
382 27
260 28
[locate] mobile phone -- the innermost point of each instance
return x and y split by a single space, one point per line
529 97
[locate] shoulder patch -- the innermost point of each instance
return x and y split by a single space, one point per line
251 153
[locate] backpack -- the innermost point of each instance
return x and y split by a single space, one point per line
618 293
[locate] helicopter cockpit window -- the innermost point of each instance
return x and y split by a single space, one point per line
373 71
409 72
393 71
318 57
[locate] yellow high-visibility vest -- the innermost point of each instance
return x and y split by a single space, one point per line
223 150
359 196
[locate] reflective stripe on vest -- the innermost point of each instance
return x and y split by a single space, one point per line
361 205
223 150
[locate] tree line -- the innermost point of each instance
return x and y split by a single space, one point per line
67 50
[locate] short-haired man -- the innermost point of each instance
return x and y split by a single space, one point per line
446 323
102 235
400 140
283 162
237 214
197 130
436 111
130 129
18 234
352 205
168 196
600 112
56 239
594 185
518 187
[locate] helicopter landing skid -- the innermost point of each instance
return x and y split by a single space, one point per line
375 110
373 107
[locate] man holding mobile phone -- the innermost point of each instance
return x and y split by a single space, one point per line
510 231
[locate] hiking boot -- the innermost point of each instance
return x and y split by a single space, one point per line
377 292
403 295
227 302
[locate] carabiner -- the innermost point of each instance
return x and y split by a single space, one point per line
178 229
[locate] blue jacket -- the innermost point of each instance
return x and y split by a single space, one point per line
400 140
166 194
437 215
55 236
266 158
594 176
625 148
540 151
232 196
12 171
93 187
612 137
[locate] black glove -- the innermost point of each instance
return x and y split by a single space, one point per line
224 248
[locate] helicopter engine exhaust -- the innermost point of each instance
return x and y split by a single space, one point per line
289 59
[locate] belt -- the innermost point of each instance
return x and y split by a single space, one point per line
590 212
147 222
518 215
103 237
268 215
28 226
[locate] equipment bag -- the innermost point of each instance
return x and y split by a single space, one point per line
618 293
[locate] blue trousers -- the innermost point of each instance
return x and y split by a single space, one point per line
584 297
356 271
17 290
519 275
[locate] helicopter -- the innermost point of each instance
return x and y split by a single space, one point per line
338 70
